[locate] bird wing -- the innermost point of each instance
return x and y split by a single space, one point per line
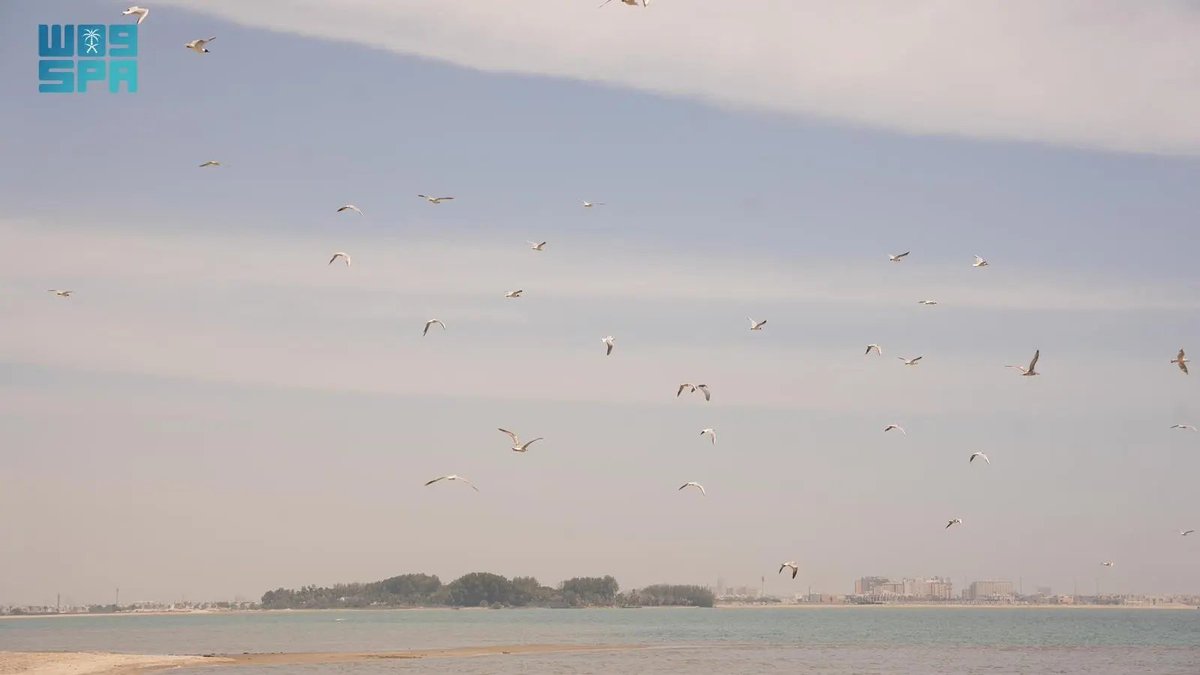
539 438
949 524
794 571
1183 366
435 480
469 483
781 569
1187 532
707 393
210 39
511 435
1033 363
335 257
918 359
683 386
608 352
684 485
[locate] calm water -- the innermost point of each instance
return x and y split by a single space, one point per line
844 640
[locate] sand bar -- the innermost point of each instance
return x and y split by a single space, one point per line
98 663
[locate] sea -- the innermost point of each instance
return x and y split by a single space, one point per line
851 640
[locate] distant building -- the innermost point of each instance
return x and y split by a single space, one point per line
990 591
869 585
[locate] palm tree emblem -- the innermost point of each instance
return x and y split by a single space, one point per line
91 40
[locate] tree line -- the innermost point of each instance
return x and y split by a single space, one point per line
483 589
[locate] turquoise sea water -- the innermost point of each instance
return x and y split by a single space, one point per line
837 640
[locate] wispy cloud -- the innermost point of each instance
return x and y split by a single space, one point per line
1104 74
256 310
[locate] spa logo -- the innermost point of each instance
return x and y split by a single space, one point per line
71 57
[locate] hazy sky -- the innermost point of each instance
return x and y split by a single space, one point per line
216 411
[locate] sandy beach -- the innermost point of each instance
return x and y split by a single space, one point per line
92 663
99 663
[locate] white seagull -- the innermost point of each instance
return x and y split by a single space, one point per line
911 362
897 427
877 348
211 162
588 205
609 344
693 484
1181 427
514 294
452 477
981 456
757 325
1182 361
430 323
979 262
956 521
349 207
537 245
927 302
1029 372
712 434
61 294
898 257
517 445
139 12
198 46
1108 563
435 200
340 254
1184 533
795 568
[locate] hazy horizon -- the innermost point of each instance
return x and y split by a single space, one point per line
217 412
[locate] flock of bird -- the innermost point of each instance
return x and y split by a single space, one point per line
200 46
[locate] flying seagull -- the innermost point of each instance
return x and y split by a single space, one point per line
898 257
911 362
211 162
979 262
435 200
791 564
897 427
517 445
981 456
927 302
588 205
1184 533
956 521
537 245
608 343
695 485
340 254
139 12
710 433
757 325
631 3
350 207
1108 563
1029 372
198 46
514 294
877 348
452 477
1181 427
61 294
430 323
1182 361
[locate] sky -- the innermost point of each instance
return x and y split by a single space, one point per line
216 411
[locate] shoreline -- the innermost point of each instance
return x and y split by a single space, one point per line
817 606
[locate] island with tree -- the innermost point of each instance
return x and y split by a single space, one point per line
483 589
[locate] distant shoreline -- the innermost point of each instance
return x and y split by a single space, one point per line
739 606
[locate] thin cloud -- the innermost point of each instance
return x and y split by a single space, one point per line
1107 74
